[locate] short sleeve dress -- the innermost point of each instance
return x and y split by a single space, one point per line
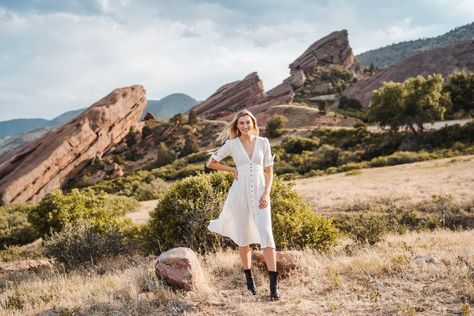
241 219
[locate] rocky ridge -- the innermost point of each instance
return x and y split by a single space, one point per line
47 163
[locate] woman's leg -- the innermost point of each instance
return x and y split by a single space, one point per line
246 256
269 254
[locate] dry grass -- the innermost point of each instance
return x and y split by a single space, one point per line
404 184
384 279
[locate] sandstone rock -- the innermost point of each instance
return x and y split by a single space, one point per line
232 97
180 267
25 265
44 165
287 261
442 60
149 116
332 49
115 171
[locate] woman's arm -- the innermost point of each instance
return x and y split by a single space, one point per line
213 164
265 198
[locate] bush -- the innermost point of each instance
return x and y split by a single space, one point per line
143 186
367 229
164 155
349 103
81 243
190 147
14 226
182 216
58 209
296 145
275 125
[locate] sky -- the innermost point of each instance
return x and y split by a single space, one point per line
62 55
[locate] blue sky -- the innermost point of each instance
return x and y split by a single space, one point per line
61 55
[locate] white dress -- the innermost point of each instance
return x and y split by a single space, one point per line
241 219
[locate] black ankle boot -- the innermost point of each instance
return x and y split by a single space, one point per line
274 292
250 281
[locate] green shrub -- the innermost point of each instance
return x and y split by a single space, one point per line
58 209
275 125
164 155
182 216
190 147
296 145
81 243
367 229
349 103
14 226
295 224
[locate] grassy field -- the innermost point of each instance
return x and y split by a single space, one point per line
402 184
428 273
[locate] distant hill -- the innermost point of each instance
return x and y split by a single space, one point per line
388 55
170 105
19 126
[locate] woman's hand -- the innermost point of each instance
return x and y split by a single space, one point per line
235 173
264 200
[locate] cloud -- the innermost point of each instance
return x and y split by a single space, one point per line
66 54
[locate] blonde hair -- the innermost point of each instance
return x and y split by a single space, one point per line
231 130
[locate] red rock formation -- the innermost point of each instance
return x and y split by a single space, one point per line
44 165
442 60
333 49
232 97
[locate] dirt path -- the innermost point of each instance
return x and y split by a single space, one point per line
413 182
142 215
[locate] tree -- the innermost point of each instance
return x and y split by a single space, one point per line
190 147
323 107
164 155
192 118
387 106
412 103
275 125
177 119
424 101
461 90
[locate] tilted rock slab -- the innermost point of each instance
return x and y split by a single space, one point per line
232 97
47 163
180 268
333 49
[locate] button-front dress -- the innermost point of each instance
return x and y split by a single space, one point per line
241 219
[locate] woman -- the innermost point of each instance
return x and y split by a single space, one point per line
246 217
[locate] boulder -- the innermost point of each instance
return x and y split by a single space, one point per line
232 97
287 261
47 163
180 268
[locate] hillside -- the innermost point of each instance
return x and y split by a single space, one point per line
389 55
443 60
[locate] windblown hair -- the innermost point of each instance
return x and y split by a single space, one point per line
232 131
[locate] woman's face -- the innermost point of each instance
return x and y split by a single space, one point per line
245 124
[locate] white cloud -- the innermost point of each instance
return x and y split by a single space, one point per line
52 61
